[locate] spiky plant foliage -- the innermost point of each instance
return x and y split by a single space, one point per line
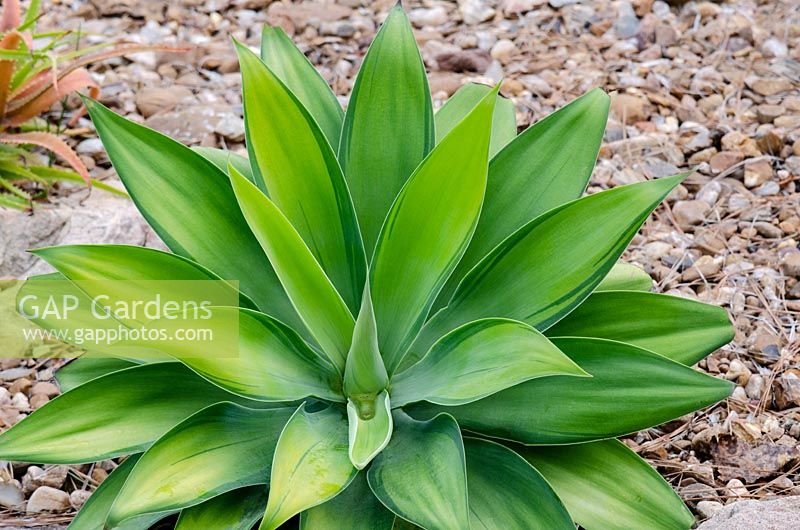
38 69
434 330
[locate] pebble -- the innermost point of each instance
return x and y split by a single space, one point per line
47 499
769 143
475 11
768 113
627 107
90 147
45 388
704 267
503 50
35 476
770 86
14 373
150 100
736 488
757 173
708 509
755 386
775 48
725 159
78 498
791 264
434 16
767 230
11 495
690 213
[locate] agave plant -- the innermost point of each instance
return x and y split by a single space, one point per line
434 330
38 69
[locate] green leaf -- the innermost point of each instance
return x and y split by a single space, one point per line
130 264
84 369
221 158
310 466
56 285
272 362
626 277
365 373
318 303
427 231
235 510
189 203
506 492
544 167
680 329
117 414
218 449
546 268
630 389
479 359
356 508
93 514
369 431
421 475
607 486
504 123
388 128
302 176
299 75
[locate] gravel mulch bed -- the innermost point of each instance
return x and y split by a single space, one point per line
714 86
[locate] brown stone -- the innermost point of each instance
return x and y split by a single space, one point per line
725 159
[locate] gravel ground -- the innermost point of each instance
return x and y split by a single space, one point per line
708 85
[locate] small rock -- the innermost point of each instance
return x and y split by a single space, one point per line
755 386
475 11
768 113
464 61
769 86
11 495
768 230
704 267
627 108
434 16
561 3
769 143
35 477
708 509
738 141
791 264
14 373
150 100
45 388
736 488
503 50
690 213
787 392
20 385
698 492
774 48
709 193
78 498
790 121
724 159
90 147
757 173
47 499
38 401
666 35
627 24
231 128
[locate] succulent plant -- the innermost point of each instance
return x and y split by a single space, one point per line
434 327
